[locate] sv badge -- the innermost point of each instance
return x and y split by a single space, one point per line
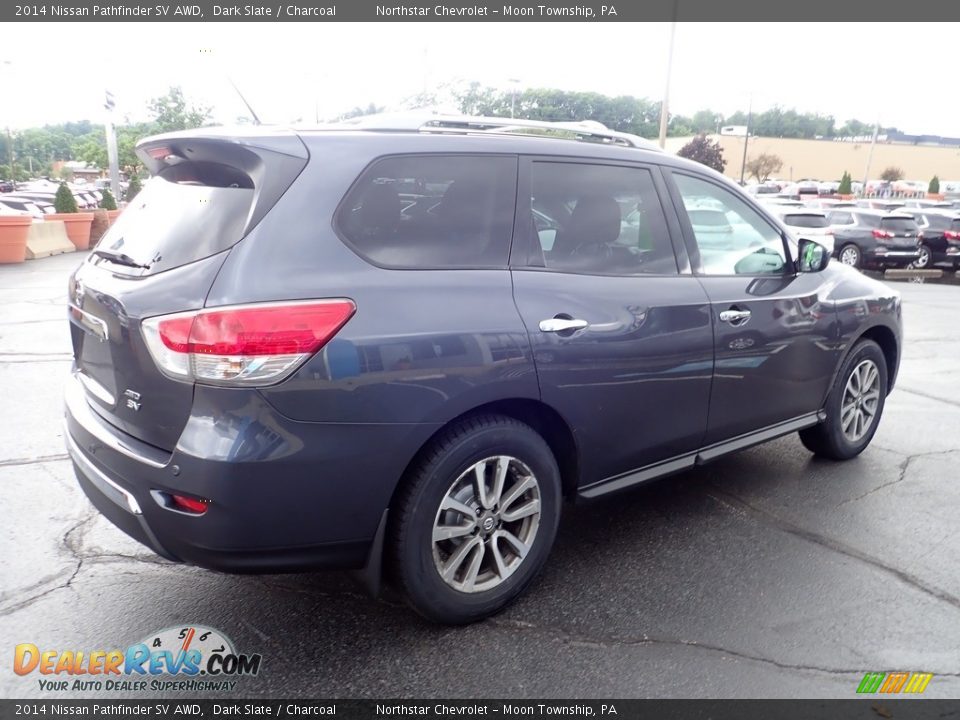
133 399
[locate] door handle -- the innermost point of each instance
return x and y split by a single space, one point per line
735 317
559 324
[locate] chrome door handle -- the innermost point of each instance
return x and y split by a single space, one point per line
553 325
735 317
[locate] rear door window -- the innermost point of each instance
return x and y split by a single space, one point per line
899 225
423 212
840 218
598 219
806 221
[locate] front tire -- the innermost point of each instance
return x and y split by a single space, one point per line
854 406
924 259
475 520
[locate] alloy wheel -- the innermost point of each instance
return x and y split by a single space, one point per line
850 256
487 524
861 397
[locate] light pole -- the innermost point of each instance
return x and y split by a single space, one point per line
873 144
746 140
13 170
664 111
514 82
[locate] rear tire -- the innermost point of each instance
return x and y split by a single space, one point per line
854 406
459 553
925 259
850 255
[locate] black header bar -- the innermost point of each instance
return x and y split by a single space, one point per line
853 11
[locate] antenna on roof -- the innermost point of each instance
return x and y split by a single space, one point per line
256 120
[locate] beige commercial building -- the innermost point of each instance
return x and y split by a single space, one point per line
827 159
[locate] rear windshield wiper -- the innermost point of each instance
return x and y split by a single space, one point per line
120 259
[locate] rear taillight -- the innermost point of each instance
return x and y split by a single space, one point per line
244 344
951 235
882 234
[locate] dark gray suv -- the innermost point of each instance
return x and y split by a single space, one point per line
397 346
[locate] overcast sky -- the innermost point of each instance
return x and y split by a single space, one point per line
289 70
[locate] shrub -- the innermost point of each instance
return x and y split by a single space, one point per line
846 184
99 226
891 174
64 201
934 188
704 151
107 202
133 188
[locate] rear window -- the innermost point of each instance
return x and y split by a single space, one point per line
181 217
899 224
806 221
422 212
955 225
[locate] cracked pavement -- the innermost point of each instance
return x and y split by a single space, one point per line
765 574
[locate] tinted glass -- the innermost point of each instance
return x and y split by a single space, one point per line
746 245
172 223
955 224
806 221
840 218
598 219
442 211
899 224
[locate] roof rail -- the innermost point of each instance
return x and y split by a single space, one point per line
427 122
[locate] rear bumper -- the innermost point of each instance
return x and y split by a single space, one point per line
893 258
284 495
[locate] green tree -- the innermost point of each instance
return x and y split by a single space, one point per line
763 166
934 187
133 188
107 201
891 174
358 111
846 184
172 112
704 151
64 201
705 122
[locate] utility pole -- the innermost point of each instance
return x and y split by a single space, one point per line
664 109
112 156
746 140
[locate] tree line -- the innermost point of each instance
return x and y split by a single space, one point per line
85 141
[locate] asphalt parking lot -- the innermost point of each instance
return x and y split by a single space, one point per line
766 574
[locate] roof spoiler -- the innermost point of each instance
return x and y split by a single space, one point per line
269 159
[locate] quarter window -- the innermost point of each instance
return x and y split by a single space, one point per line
732 238
598 219
443 211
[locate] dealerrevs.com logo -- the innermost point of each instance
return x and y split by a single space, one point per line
187 658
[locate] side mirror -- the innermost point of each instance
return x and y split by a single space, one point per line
814 257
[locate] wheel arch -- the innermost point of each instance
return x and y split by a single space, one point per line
546 421
883 336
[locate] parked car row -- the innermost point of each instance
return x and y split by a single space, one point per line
804 189
877 233
36 198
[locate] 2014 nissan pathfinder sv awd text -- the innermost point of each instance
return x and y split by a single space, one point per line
396 346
